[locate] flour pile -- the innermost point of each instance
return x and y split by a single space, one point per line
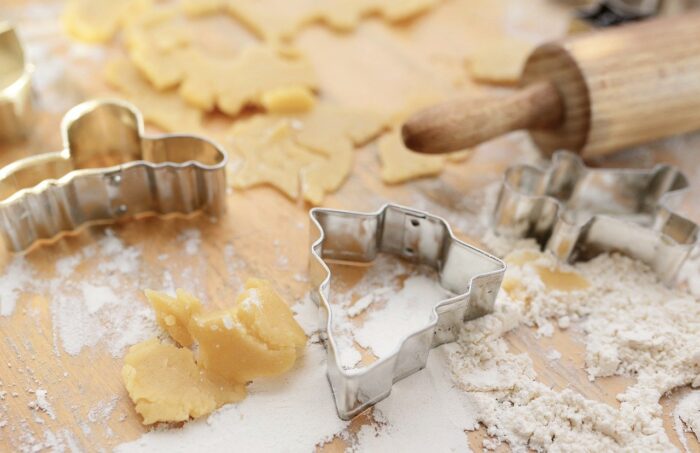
633 326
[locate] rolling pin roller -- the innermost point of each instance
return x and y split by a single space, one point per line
592 94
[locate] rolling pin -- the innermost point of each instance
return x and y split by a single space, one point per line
592 94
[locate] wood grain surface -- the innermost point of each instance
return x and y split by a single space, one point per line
376 66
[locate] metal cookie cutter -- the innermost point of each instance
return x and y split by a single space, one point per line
15 86
577 212
472 275
108 170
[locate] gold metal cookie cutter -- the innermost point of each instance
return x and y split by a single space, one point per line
471 275
15 86
578 212
108 170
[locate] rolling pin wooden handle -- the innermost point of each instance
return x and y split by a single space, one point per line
464 123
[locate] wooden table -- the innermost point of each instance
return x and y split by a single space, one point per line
375 66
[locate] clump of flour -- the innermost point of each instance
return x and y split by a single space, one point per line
633 326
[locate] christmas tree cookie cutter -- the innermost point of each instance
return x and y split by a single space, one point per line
108 170
473 276
577 212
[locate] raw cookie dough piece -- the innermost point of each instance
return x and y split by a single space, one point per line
258 337
400 164
164 109
288 100
161 46
499 63
174 313
166 385
276 20
308 154
553 275
268 318
96 21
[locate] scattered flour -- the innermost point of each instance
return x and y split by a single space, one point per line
192 239
42 403
91 306
633 325
16 278
687 417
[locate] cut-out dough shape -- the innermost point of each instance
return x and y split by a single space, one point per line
97 21
307 154
279 20
161 47
400 164
164 109
166 385
257 337
499 62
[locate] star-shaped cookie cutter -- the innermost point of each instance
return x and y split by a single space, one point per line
108 170
577 212
15 86
472 275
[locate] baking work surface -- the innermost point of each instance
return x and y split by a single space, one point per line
69 310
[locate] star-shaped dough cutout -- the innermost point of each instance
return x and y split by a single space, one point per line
280 20
308 154
162 46
400 164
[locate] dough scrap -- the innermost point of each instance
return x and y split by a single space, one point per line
500 62
307 154
400 164
166 385
173 314
162 47
288 100
96 21
554 277
281 20
257 337
164 109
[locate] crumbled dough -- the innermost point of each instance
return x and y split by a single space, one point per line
257 337
308 154
276 20
174 313
161 47
499 62
97 21
288 100
553 277
165 109
166 385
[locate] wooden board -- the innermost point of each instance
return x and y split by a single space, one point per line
376 66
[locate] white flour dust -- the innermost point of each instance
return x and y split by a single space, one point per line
395 299
633 325
687 416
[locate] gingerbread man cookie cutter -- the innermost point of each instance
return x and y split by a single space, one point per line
15 86
577 212
108 170
473 276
